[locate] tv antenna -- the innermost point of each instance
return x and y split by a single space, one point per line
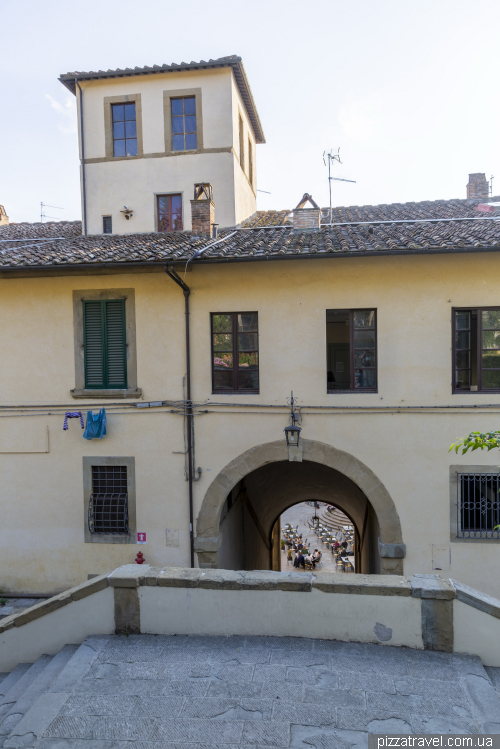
331 158
491 185
42 214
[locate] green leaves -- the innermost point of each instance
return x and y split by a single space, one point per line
477 440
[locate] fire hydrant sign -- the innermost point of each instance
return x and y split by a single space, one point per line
141 538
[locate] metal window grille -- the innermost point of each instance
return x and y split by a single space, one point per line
478 505
108 506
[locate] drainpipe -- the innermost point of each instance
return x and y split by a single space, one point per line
84 191
170 271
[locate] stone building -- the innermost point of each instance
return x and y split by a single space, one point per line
383 320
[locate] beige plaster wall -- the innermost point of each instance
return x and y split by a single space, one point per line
476 632
72 624
111 184
279 613
42 531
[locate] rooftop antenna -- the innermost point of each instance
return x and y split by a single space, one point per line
331 158
491 185
42 214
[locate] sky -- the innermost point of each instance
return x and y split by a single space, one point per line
408 90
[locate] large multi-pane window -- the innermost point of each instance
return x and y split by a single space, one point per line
184 137
124 129
478 505
476 344
169 212
351 350
235 352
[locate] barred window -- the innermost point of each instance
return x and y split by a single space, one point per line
108 506
478 505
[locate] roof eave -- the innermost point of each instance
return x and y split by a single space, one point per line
235 63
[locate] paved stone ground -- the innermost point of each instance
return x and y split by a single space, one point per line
299 515
158 692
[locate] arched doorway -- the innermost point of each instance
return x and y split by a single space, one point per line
263 482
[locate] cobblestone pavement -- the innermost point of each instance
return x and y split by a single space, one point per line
194 692
299 515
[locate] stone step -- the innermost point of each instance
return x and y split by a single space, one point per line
35 721
20 686
37 687
11 678
494 674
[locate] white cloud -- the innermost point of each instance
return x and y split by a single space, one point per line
68 110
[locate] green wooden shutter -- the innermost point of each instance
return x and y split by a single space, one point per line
105 344
116 361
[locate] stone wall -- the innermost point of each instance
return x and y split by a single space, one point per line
424 611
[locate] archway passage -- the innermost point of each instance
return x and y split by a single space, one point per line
241 506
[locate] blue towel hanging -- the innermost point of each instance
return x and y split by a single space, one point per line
96 425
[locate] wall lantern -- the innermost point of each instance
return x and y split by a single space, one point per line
292 432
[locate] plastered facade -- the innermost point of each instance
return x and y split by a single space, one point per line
42 539
134 181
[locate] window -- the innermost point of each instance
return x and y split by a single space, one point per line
476 342
184 136
104 344
351 343
169 212
235 357
107 226
250 162
124 129
242 142
478 505
108 506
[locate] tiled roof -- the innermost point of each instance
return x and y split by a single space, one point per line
259 243
232 61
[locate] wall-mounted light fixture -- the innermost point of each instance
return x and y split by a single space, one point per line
127 212
292 432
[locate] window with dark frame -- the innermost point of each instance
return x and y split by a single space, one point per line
235 352
242 142
108 506
104 343
476 350
107 225
124 129
351 350
184 132
478 505
250 162
169 212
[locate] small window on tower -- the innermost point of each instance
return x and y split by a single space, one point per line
124 129
107 227
184 129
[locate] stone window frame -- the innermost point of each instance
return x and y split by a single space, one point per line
109 538
454 470
108 125
79 391
181 93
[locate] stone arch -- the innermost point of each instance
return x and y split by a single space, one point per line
346 466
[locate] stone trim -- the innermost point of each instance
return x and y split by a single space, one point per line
454 470
167 117
100 460
79 390
56 602
162 155
368 585
476 599
108 126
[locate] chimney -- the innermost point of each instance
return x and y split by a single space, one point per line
306 218
4 219
478 187
202 210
